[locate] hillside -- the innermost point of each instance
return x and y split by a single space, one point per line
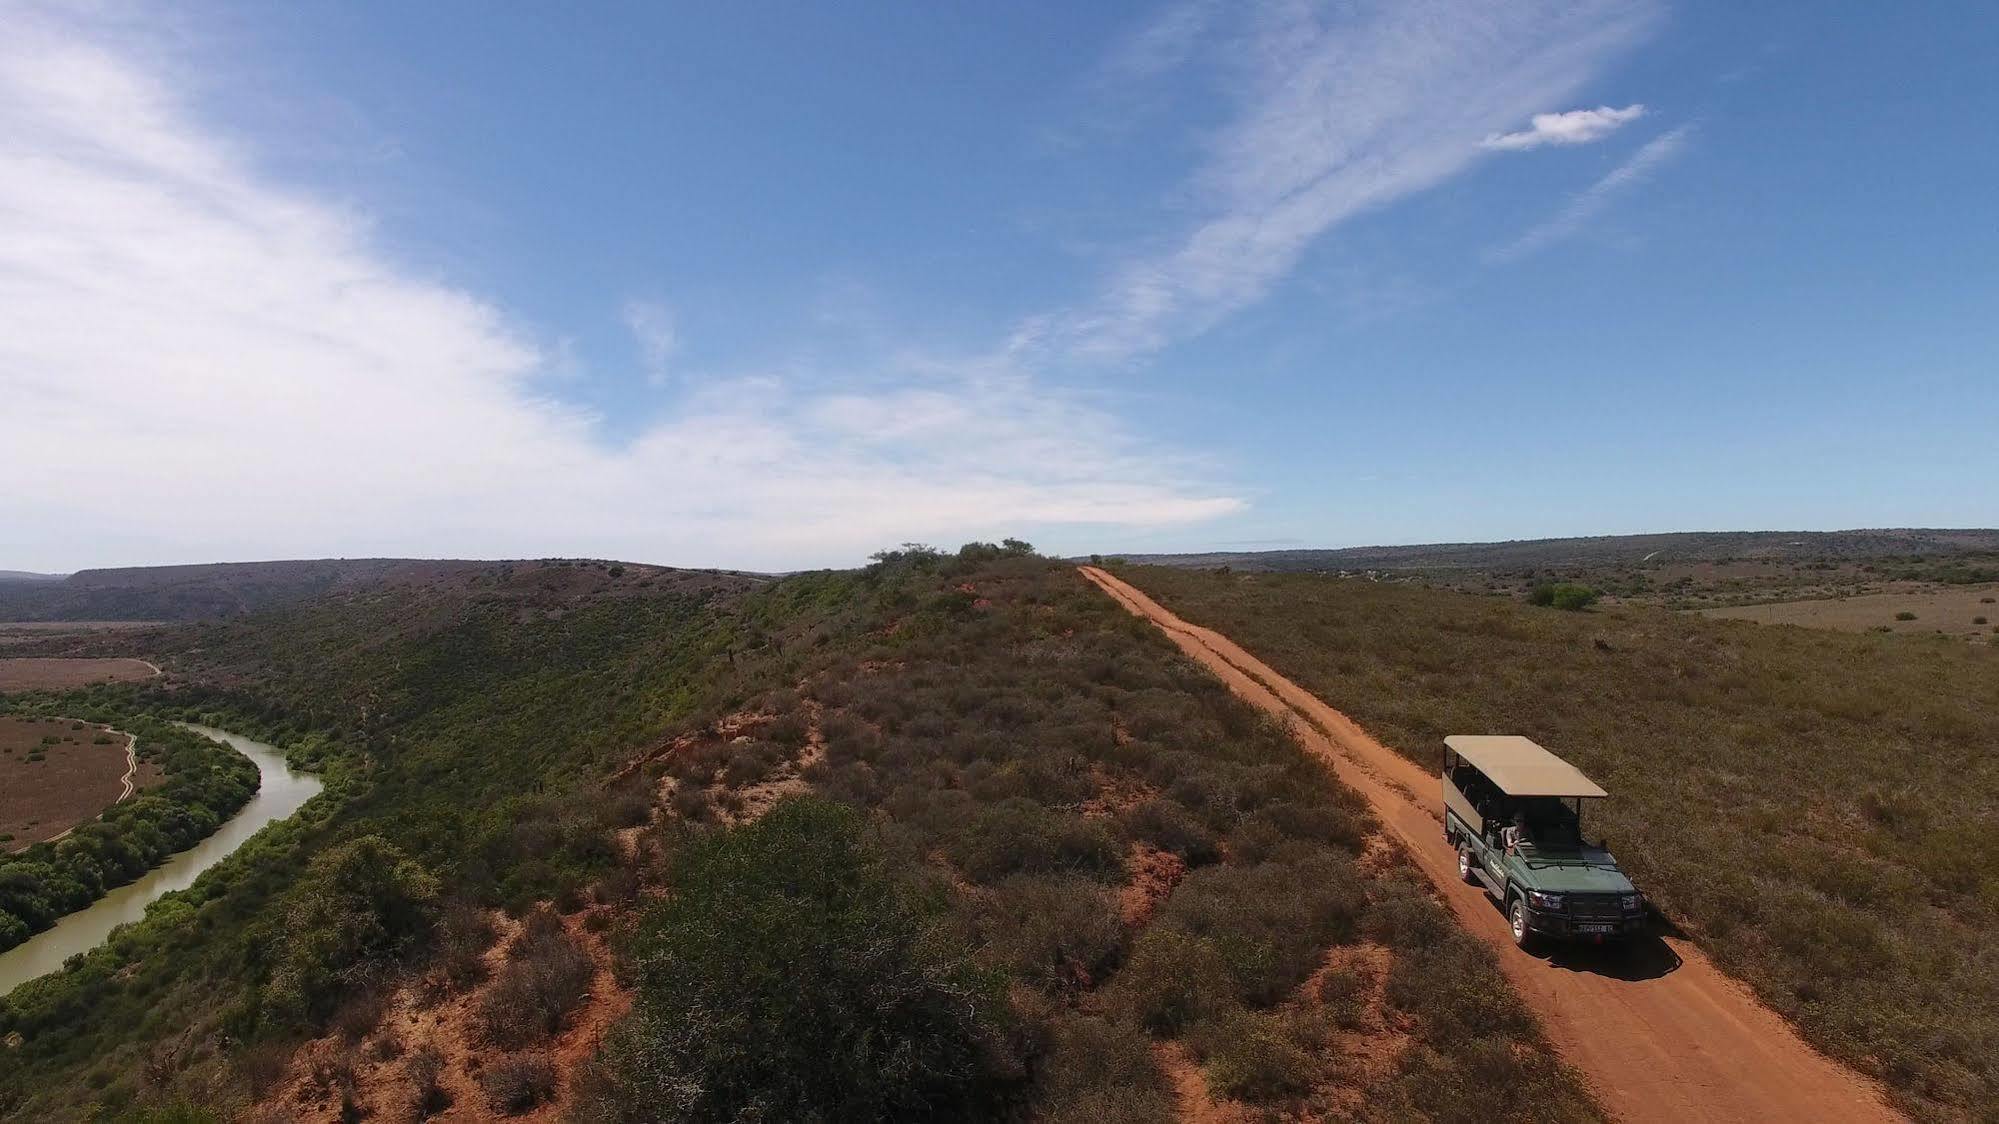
1116 893
204 592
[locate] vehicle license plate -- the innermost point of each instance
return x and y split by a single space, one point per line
1595 928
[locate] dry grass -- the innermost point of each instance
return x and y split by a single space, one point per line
1951 610
1814 807
28 673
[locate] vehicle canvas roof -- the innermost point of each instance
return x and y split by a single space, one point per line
1520 767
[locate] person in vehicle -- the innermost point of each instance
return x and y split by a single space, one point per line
1515 833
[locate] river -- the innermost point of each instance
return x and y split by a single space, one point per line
281 792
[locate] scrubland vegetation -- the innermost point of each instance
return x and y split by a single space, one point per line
1047 796
1813 807
1052 868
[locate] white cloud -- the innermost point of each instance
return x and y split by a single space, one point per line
1577 126
1341 108
198 363
1590 202
652 327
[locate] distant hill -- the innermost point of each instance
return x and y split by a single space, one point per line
1687 546
28 576
225 589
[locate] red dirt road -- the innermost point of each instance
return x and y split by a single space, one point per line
1665 1039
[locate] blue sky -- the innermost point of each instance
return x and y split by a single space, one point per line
773 285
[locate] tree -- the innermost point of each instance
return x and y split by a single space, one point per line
790 977
360 906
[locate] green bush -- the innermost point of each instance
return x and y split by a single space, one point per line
1272 921
1905 615
1101 1071
789 976
1175 979
1058 931
1563 595
360 908
1251 1058
1019 836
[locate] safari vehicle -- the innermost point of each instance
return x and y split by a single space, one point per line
1514 812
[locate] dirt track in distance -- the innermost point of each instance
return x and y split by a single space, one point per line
1660 1034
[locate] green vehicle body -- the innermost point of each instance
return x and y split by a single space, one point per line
1553 882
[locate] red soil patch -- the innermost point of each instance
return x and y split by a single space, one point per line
1117 791
1372 1036
74 780
1198 1105
374 1068
32 673
1154 873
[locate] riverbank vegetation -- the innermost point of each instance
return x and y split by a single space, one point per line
1812 806
204 783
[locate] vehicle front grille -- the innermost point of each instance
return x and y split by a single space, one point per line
1605 906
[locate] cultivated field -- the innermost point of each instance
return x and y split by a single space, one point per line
1967 611
56 773
36 673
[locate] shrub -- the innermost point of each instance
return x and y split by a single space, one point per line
1175 979
546 976
464 933
1057 931
1272 921
1249 1057
359 907
1101 1071
515 1083
789 976
1905 615
1019 836
1167 825
1978 620
1563 595
423 1069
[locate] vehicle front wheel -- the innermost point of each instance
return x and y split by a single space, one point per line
1465 869
1517 917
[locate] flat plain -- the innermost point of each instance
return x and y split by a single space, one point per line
1967 611
32 673
56 773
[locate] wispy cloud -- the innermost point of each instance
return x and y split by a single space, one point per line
1339 109
1590 202
1160 44
201 363
1577 126
652 328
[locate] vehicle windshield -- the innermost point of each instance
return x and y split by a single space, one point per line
1553 823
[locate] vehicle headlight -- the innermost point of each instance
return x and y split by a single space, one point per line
1539 900
1633 903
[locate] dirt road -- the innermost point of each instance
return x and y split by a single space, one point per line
1663 1036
